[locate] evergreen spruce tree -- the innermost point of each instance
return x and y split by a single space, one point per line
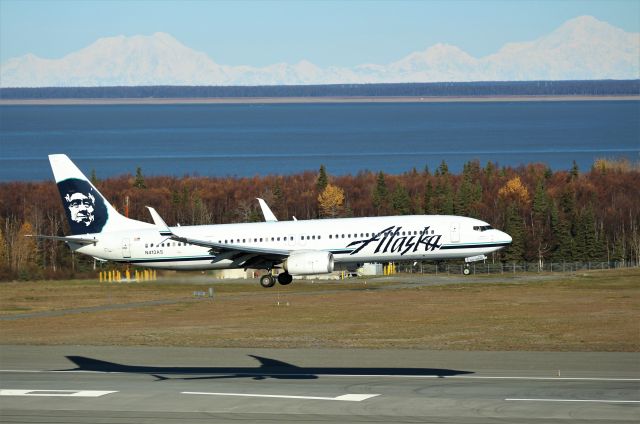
463 198
565 242
139 181
588 227
94 177
380 198
428 198
443 168
469 191
447 197
575 172
540 207
490 171
278 198
515 228
401 201
323 179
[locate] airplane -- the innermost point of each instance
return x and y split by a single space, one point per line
294 248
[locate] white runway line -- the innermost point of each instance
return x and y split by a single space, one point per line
344 398
55 393
576 400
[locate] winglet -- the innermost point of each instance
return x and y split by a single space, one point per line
266 211
157 219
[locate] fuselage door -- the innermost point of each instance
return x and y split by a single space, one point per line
126 250
455 232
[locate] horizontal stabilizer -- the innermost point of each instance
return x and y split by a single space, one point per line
75 240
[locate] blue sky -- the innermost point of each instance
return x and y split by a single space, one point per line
341 33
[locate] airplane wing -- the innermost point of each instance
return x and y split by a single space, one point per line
242 256
76 240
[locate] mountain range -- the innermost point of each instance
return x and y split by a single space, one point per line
582 48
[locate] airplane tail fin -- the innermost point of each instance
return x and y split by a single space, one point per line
88 212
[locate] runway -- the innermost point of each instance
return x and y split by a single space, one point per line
84 384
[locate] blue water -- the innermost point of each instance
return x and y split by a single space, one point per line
247 140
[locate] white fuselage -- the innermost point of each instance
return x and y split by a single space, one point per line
350 240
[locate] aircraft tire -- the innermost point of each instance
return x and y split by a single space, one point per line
267 281
285 278
466 271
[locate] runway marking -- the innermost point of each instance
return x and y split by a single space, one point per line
479 377
344 398
448 377
64 393
577 400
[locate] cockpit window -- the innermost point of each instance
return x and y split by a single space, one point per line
482 227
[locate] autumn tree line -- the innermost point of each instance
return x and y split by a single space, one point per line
559 216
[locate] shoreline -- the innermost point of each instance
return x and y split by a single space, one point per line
306 100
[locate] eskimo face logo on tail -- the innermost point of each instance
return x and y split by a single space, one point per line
390 240
85 209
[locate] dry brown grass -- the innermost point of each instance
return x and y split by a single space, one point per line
595 311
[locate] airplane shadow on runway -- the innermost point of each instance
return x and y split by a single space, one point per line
269 368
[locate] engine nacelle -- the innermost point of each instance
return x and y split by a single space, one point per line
309 262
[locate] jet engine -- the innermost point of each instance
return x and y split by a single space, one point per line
309 262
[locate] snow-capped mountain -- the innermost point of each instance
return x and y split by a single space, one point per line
582 48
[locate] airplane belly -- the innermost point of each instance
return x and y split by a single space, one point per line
198 265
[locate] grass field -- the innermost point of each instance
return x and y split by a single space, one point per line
591 311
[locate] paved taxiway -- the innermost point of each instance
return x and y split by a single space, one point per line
74 384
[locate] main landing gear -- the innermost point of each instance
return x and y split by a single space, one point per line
267 280
285 278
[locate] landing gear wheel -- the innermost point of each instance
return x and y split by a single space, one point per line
285 278
267 281
466 271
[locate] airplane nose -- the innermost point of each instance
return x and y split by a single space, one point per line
506 237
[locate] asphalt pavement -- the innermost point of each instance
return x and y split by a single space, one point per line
87 384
